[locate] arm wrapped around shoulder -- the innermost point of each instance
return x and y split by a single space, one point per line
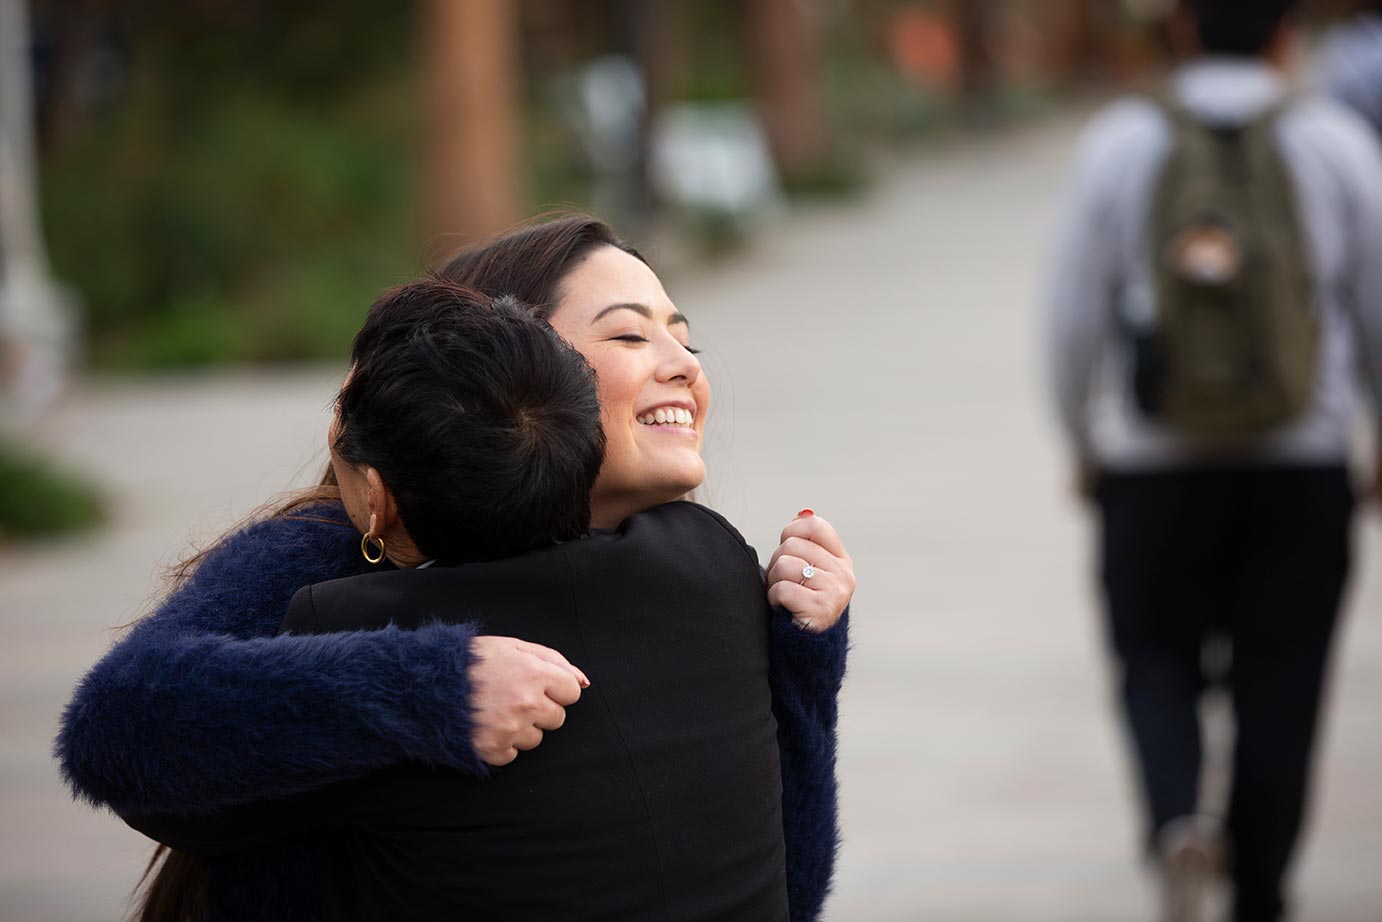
199 707
229 722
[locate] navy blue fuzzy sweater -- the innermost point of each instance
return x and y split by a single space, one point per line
201 707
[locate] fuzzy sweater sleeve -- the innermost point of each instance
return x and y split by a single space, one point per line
200 707
806 671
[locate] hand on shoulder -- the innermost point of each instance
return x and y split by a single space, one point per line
519 690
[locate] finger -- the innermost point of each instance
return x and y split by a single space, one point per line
788 568
816 529
794 598
561 686
772 561
805 550
550 717
809 552
503 757
547 654
528 740
777 552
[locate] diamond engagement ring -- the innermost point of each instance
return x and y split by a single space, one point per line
807 572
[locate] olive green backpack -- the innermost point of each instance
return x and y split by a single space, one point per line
1231 344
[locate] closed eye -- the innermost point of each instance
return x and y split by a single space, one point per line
636 338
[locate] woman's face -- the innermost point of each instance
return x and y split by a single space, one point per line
653 395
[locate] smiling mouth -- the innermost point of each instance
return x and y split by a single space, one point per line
675 417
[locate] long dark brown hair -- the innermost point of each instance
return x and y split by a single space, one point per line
530 264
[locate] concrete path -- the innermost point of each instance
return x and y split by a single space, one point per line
874 361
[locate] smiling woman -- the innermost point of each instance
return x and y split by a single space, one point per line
135 735
655 397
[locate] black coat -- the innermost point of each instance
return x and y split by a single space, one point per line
660 797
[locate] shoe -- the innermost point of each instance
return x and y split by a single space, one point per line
1191 852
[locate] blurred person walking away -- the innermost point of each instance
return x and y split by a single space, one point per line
1215 287
1351 64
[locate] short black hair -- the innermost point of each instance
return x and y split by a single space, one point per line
482 421
1239 27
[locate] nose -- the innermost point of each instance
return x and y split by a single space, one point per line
677 364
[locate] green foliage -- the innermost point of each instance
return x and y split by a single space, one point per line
223 211
717 66
841 176
37 501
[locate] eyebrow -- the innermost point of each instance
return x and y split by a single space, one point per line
641 310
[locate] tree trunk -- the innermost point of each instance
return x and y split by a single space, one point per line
972 18
1079 50
654 33
472 119
784 50
59 121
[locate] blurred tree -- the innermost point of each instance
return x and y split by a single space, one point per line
237 180
651 34
784 51
974 20
74 37
473 90
1078 46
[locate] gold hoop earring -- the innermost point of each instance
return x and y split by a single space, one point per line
364 548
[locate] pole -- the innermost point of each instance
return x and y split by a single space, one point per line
37 319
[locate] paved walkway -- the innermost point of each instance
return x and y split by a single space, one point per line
874 362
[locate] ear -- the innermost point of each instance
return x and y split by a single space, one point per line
383 510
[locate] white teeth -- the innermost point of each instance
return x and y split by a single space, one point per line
668 416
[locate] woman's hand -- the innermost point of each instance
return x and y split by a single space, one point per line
817 602
518 689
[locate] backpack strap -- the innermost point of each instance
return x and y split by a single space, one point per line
1184 122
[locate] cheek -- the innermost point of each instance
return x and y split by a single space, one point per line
701 393
619 386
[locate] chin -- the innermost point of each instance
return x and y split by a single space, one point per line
673 488
690 478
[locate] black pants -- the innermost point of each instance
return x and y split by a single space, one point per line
1259 556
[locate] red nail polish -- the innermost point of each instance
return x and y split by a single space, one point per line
805 512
